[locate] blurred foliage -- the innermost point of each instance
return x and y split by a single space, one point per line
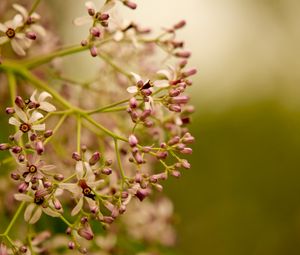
242 194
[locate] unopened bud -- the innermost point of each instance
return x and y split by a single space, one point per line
57 204
180 24
4 146
183 54
20 102
48 133
31 35
9 110
22 187
133 141
39 147
71 245
94 158
186 151
130 4
94 51
15 176
189 72
58 177
133 102
141 194
76 156
16 149
95 31
174 108
106 171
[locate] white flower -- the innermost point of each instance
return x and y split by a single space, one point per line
84 188
19 42
26 123
35 168
36 206
34 17
91 8
41 103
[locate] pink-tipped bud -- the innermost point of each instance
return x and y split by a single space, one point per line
94 158
161 154
22 187
31 35
156 177
174 140
20 102
174 108
138 177
39 147
108 219
4 146
48 133
185 164
146 113
9 110
186 151
182 63
104 16
94 51
82 250
180 24
84 43
91 11
138 158
122 209
76 156
179 100
71 245
57 204
15 176
58 177
95 31
189 72
174 92
86 232
16 149
133 102
130 4
183 54
133 141
176 174
106 171
141 194
23 249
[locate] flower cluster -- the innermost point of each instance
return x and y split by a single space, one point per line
103 156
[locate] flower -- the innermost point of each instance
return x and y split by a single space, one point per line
35 168
41 103
26 124
84 188
18 40
37 205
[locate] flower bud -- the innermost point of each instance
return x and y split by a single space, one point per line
84 43
57 204
106 171
107 219
48 133
9 110
146 113
133 141
82 250
130 4
71 245
174 92
20 102
76 156
86 232
186 151
174 140
95 31
174 108
22 187
58 177
176 174
161 154
185 164
15 176
31 35
122 209
94 51
133 102
94 158
16 149
183 54
189 72
180 24
141 194
104 16
4 146
39 147
179 100
182 63
23 249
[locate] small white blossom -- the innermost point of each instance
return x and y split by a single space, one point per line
41 103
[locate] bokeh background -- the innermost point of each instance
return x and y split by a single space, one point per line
242 195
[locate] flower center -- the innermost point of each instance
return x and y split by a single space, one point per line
10 33
32 169
86 190
24 127
39 200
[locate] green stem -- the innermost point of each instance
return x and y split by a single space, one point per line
66 221
12 222
104 108
34 6
119 162
78 133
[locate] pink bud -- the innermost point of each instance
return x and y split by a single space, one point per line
189 72
94 158
84 43
48 133
71 245
19 102
174 108
39 147
106 171
174 140
4 146
179 100
16 149
57 204
31 35
133 102
76 156
185 164
86 232
95 31
180 24
130 4
9 110
183 54
176 174
141 194
15 176
94 51
104 16
133 141
22 187
186 151
162 154
58 177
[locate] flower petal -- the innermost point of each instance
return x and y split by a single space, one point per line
161 83
136 77
108 6
43 96
90 5
3 39
36 215
3 28
23 197
32 98
21 10
39 127
78 207
165 73
79 169
132 89
17 21
21 114
17 47
72 187
28 211
45 106
18 135
35 116
51 212
38 29
82 20
14 121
